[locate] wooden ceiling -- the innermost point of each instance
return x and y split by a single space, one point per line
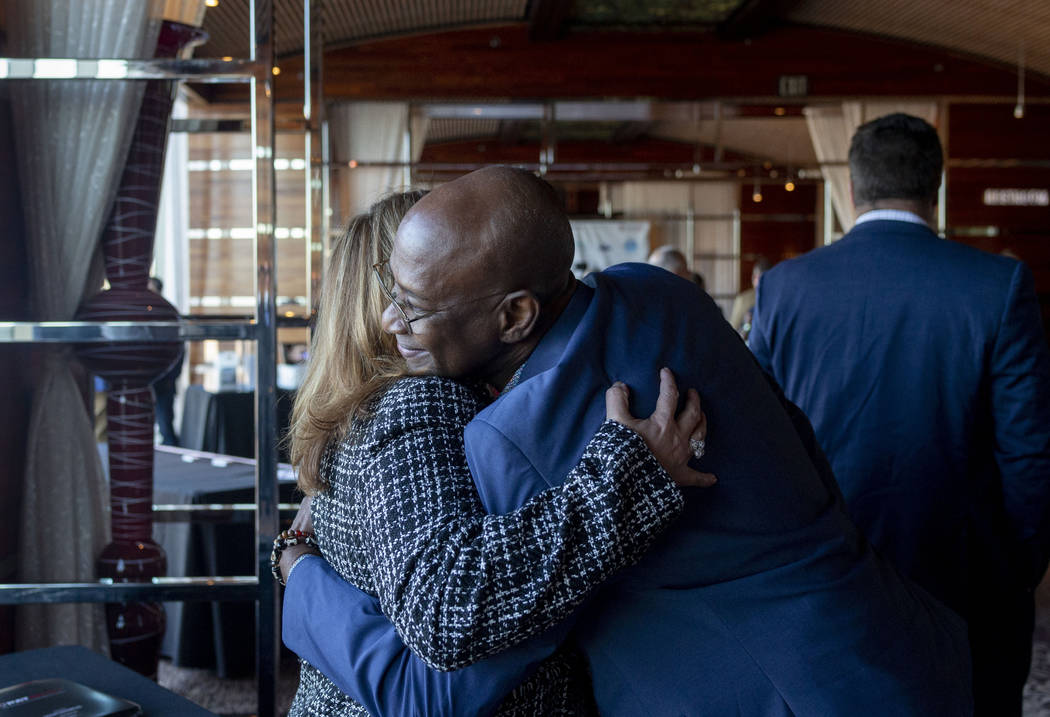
731 53
997 30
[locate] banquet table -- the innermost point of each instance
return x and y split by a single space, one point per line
219 635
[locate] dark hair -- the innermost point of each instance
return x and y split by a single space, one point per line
895 157
762 265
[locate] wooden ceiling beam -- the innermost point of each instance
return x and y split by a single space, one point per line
630 131
644 150
502 62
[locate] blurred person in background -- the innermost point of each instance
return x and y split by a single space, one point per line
667 257
740 315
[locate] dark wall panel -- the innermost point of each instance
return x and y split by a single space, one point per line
991 149
782 225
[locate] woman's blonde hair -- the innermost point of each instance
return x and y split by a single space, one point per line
351 358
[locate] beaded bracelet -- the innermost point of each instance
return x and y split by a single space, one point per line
287 539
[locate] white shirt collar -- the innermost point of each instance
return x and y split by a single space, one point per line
896 215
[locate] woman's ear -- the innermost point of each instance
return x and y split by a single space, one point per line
518 314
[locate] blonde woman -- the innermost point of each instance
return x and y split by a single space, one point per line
396 514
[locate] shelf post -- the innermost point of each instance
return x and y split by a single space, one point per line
264 216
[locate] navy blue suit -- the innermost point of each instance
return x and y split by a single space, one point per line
924 370
761 600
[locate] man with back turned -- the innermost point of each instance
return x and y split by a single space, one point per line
923 367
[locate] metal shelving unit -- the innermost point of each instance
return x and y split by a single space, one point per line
256 71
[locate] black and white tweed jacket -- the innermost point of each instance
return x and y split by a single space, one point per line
402 520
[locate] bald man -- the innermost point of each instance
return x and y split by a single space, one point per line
667 257
670 258
762 599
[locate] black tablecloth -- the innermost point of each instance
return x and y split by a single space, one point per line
73 662
216 634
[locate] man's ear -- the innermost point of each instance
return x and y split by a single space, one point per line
518 313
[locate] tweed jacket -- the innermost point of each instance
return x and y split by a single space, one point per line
402 521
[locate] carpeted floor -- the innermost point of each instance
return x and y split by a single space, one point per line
229 697
1037 689
238 697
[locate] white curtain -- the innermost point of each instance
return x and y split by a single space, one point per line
600 243
372 132
831 128
171 246
72 139
171 250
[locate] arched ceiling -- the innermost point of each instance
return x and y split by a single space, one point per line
995 29
998 30
995 33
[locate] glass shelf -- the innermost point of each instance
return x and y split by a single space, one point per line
66 68
83 332
237 587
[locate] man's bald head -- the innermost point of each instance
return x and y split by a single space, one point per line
501 227
482 267
670 258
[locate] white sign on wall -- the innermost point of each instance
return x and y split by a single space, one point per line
1017 197
600 243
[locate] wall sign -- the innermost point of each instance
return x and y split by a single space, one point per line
793 86
1017 197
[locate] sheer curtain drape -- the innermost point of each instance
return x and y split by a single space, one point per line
831 128
171 245
372 132
72 138
171 249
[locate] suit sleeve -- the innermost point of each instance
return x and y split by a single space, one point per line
357 648
1020 396
459 584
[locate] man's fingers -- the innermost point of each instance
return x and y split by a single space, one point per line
668 400
616 404
690 416
688 478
